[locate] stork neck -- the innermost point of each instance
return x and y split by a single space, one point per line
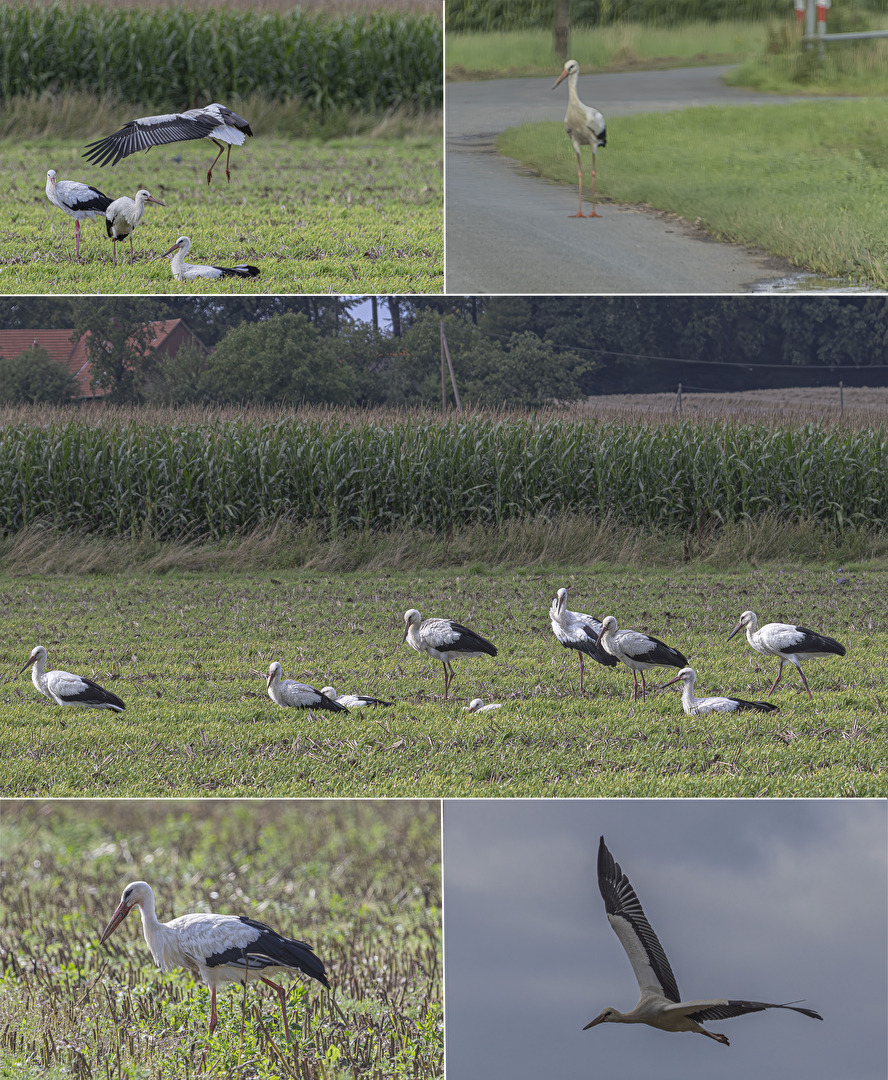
572 83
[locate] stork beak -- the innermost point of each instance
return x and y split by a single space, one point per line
671 681
593 1023
560 78
30 661
598 640
116 919
736 629
406 629
152 199
175 247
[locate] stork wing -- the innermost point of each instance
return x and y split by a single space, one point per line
147 132
725 1009
625 914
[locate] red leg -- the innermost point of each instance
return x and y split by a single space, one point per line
581 673
593 214
131 249
227 159
282 994
777 680
76 239
579 212
216 158
643 688
213 1017
634 685
804 680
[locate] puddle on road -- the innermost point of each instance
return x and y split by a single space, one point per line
808 282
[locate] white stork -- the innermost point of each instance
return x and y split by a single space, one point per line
297 695
792 643
660 1003
477 705
214 122
183 271
584 125
577 630
443 640
637 651
123 215
695 706
354 701
219 948
79 201
66 689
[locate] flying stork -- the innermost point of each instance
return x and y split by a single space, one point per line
214 122
577 630
66 689
443 640
695 706
585 127
122 216
792 643
637 651
297 695
79 201
660 1003
219 948
183 271
354 701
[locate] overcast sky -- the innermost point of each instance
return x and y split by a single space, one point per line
767 900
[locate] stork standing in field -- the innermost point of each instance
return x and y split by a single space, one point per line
577 630
477 705
183 271
66 689
214 122
695 706
79 201
788 642
584 125
443 640
297 695
218 948
637 651
122 216
354 701
660 1003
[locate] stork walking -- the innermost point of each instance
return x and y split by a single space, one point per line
66 689
297 695
695 706
787 642
444 640
354 701
660 1003
584 125
79 201
577 630
218 948
183 271
214 122
638 651
477 705
122 217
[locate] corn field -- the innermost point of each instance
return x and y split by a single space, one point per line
173 57
227 477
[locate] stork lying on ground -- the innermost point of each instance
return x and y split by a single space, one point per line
183 271
297 695
218 948
443 640
477 705
122 217
79 201
660 1003
695 706
637 651
788 642
354 701
577 630
66 689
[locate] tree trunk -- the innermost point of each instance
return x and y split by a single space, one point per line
562 26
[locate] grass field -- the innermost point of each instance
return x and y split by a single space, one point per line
360 215
359 881
806 182
188 653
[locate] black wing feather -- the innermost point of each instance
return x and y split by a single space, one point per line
136 135
740 1008
270 949
468 641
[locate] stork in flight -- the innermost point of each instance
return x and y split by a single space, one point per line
443 640
638 651
66 689
214 122
218 948
79 201
695 706
297 695
122 216
183 271
788 642
585 127
577 630
660 1003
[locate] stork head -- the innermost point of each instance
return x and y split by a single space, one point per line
561 600
608 626
37 653
182 244
571 67
607 1016
51 176
411 618
274 672
139 892
687 675
748 620
329 692
473 705
145 196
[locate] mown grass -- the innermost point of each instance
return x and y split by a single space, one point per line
188 652
805 181
347 215
358 880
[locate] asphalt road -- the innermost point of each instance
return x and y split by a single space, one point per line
509 232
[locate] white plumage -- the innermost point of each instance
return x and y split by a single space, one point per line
218 948
577 630
640 652
214 122
353 701
123 215
66 689
477 705
660 1005
584 125
297 695
444 640
788 642
695 706
79 201
183 271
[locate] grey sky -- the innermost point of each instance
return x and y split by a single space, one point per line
769 900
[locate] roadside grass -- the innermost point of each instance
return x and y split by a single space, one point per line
361 215
188 653
623 47
358 880
804 181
